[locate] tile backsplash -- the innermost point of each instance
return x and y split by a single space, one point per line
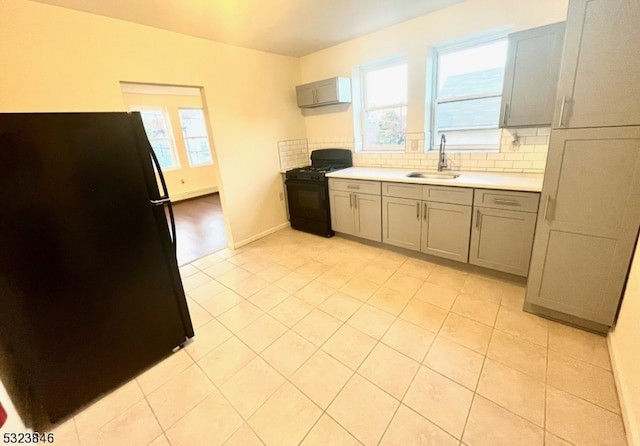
521 150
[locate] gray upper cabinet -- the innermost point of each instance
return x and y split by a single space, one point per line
600 74
335 90
587 225
531 76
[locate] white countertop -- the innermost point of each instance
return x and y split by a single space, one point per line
527 182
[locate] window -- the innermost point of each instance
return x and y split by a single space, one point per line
194 132
159 133
384 106
467 94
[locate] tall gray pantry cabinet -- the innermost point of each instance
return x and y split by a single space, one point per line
589 212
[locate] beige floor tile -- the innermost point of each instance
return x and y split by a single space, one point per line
207 290
334 278
377 272
107 408
518 354
439 400
210 423
553 440
363 409
489 290
513 390
199 316
589 347
448 277
288 353
179 395
389 300
206 338
513 296
455 362
327 432
187 270
244 436
349 346
409 428
321 378
290 311
207 261
221 302
475 308
437 295
243 258
293 281
261 333
424 315
372 321
238 317
219 269
194 281
64 433
136 425
233 276
317 327
225 360
160 441
251 386
404 283
340 306
491 425
417 268
584 380
389 370
256 265
285 418
409 339
249 286
523 325
268 297
312 268
360 288
292 261
581 422
314 293
464 331
164 371
273 273
351 265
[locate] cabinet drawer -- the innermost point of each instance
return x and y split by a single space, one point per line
360 186
402 190
444 194
503 199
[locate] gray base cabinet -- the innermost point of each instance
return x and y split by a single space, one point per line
401 222
588 222
356 208
445 230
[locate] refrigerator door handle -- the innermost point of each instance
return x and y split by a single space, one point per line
164 199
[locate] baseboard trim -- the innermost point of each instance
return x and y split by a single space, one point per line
194 193
631 426
241 243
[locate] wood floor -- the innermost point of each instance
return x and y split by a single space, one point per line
199 227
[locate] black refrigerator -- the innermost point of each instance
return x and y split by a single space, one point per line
90 292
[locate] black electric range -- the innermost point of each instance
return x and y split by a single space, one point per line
308 190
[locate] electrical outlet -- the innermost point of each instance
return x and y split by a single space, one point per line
414 145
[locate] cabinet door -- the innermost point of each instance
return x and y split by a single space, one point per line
368 216
401 222
531 76
445 230
502 240
341 205
326 91
305 95
588 222
600 74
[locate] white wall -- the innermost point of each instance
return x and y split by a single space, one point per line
55 59
14 423
624 347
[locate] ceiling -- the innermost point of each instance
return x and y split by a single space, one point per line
288 27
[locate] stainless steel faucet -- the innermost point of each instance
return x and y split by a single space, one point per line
442 159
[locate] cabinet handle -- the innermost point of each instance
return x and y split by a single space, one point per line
418 210
478 219
352 186
355 201
350 201
563 101
424 217
546 208
504 118
506 202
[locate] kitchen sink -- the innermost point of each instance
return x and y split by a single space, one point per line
433 175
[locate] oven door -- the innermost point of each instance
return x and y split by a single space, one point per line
308 199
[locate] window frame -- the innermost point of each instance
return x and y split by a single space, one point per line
168 128
186 138
434 60
360 112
